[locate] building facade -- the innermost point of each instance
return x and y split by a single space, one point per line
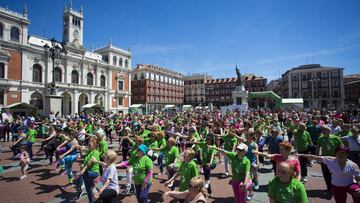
156 87
194 87
352 90
219 91
320 87
82 77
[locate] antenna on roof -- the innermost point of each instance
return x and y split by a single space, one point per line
25 11
70 4
110 41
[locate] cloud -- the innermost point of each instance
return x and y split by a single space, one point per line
330 51
144 49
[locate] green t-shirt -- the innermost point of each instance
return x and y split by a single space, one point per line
144 134
229 142
89 129
302 140
206 153
239 166
344 133
187 171
162 145
94 167
141 167
31 135
329 144
171 154
151 143
293 191
103 148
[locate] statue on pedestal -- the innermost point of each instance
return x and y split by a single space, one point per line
239 81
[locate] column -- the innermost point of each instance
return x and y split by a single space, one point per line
106 101
75 107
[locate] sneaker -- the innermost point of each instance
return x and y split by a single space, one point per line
256 187
202 171
78 195
248 197
171 185
207 183
304 180
127 190
227 174
22 177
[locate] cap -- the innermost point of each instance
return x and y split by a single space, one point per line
143 148
242 147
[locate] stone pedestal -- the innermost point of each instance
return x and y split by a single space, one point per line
240 97
53 103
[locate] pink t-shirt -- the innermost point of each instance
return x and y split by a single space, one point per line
293 162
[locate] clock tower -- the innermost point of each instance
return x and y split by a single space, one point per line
73 26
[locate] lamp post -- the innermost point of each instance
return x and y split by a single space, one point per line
313 82
55 53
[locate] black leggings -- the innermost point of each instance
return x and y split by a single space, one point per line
107 196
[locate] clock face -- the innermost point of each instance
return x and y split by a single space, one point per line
76 34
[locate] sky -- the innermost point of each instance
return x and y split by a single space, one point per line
264 37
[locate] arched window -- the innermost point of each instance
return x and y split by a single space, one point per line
126 63
90 79
58 74
102 81
1 30
114 60
120 62
36 100
37 73
14 34
74 77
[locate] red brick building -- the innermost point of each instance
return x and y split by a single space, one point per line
219 91
156 87
352 89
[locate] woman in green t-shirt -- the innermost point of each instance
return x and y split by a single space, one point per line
240 167
286 188
89 172
188 169
143 172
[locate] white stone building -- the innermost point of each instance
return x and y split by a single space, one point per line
82 77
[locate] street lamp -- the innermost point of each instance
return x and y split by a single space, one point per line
313 82
55 53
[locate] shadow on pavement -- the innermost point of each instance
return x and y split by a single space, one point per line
319 194
9 179
262 188
155 197
45 174
219 175
223 199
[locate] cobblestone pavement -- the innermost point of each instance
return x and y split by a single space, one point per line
43 183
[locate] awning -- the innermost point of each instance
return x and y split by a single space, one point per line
91 106
186 106
136 105
169 106
292 101
20 105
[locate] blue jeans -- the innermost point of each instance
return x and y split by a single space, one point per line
67 162
29 147
160 162
88 178
142 195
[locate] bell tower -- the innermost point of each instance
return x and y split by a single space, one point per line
73 26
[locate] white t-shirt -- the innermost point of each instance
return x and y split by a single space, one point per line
81 135
354 144
340 177
111 172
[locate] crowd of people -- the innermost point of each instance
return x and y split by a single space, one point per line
189 146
